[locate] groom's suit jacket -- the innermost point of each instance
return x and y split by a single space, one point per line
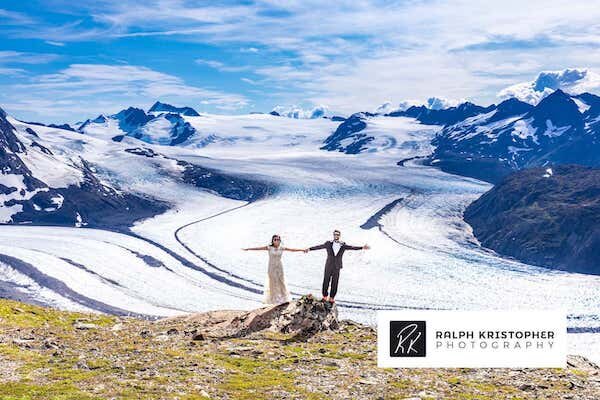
334 260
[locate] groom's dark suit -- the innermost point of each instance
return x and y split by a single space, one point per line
333 265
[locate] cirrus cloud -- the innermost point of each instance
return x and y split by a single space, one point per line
82 88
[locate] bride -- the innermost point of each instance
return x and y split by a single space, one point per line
276 291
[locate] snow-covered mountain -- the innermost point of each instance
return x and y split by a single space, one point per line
468 139
164 107
44 185
561 129
366 132
131 119
442 116
103 174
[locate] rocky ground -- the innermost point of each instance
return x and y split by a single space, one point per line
295 351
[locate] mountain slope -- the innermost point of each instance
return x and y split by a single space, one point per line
131 119
560 129
370 133
543 217
167 129
40 187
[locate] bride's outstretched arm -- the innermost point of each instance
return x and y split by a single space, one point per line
256 248
292 249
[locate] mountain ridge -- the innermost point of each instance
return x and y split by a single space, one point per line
555 131
543 216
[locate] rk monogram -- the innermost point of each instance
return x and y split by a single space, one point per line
407 339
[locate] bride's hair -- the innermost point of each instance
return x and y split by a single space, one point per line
273 239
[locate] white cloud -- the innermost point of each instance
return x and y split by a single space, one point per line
17 57
218 65
14 18
439 103
249 81
433 103
351 55
91 88
385 108
9 58
301 113
389 107
52 43
571 80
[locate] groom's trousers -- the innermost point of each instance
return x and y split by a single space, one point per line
332 274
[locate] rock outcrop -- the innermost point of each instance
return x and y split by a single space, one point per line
303 317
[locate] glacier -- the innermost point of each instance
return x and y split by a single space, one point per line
189 258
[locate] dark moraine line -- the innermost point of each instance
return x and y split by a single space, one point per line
147 259
405 160
204 259
584 329
345 304
60 288
13 291
373 221
190 264
89 271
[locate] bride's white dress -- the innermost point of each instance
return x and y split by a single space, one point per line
276 291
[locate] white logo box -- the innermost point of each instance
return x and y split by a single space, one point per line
541 343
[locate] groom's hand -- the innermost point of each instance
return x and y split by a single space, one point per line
366 247
305 250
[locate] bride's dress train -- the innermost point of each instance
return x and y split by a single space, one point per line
276 291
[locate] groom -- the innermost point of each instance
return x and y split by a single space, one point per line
335 251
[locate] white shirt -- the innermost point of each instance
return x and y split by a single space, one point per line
336 247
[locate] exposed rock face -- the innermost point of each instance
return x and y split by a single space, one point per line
131 119
164 107
303 317
348 137
547 217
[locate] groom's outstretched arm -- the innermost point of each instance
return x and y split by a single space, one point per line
318 247
348 247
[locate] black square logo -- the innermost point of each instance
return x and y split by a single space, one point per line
407 339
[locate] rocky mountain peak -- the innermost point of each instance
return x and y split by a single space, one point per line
160 107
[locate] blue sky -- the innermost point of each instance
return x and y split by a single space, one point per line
64 62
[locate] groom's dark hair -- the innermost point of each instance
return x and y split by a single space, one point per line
337 231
